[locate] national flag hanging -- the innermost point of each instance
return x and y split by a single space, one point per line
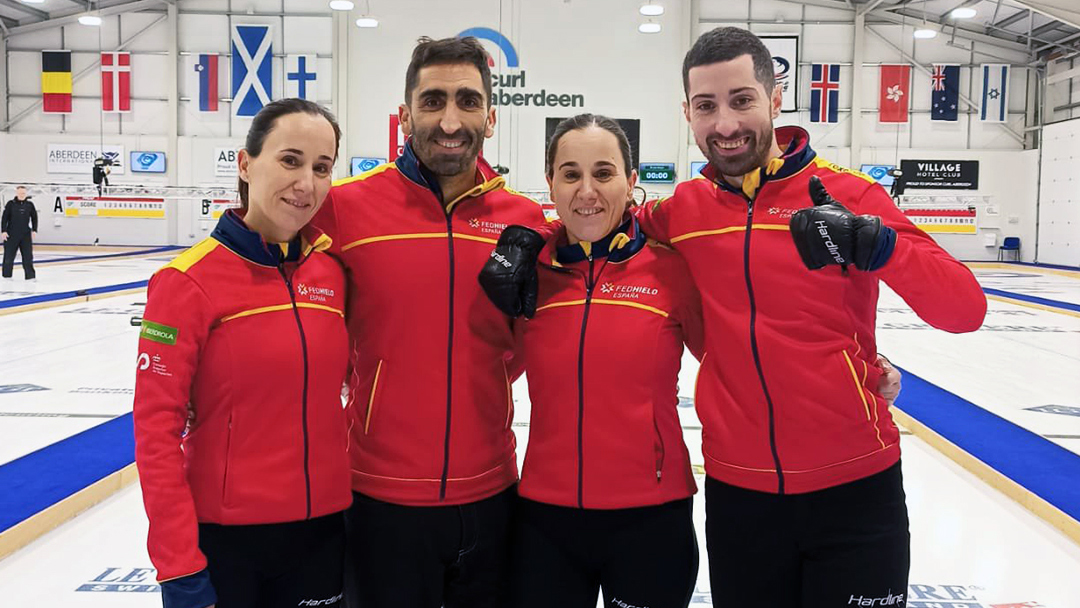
206 71
301 76
56 82
894 93
116 82
945 92
252 68
995 93
824 92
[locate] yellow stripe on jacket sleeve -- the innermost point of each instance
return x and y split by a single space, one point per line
365 174
193 255
821 163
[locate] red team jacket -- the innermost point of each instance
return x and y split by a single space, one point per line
429 394
603 355
787 394
259 350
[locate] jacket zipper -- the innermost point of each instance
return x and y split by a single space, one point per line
304 396
590 282
449 361
754 344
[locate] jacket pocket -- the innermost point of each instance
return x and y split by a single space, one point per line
373 396
849 369
226 495
509 397
658 445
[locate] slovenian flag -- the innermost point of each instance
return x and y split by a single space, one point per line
56 82
207 69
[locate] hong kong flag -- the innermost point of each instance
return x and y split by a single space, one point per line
894 94
116 82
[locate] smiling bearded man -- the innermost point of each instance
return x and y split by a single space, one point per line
429 404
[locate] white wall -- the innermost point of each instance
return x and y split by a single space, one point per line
1059 202
1063 92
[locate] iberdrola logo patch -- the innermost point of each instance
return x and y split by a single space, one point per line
156 332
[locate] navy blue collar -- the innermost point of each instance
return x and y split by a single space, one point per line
233 233
634 240
411 167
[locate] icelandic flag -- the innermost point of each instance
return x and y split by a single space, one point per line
945 92
995 93
824 92
252 68
207 69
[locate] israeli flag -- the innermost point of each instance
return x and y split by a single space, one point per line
995 93
252 68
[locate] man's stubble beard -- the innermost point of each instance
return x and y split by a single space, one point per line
445 165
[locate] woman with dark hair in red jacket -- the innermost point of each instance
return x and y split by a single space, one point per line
606 486
239 427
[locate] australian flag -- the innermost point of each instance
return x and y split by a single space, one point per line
824 92
945 89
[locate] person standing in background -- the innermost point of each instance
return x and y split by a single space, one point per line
19 221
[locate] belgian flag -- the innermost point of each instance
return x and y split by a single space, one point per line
56 82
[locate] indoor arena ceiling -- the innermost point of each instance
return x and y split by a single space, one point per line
1047 29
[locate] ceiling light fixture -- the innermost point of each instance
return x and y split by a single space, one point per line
649 28
964 12
651 10
90 20
341 5
367 22
925 33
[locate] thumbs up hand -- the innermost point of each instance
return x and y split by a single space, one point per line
829 233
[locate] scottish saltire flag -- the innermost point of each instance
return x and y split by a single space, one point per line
252 68
995 92
300 76
945 92
824 92
206 70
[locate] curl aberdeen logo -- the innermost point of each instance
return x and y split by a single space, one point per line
508 88
486 33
